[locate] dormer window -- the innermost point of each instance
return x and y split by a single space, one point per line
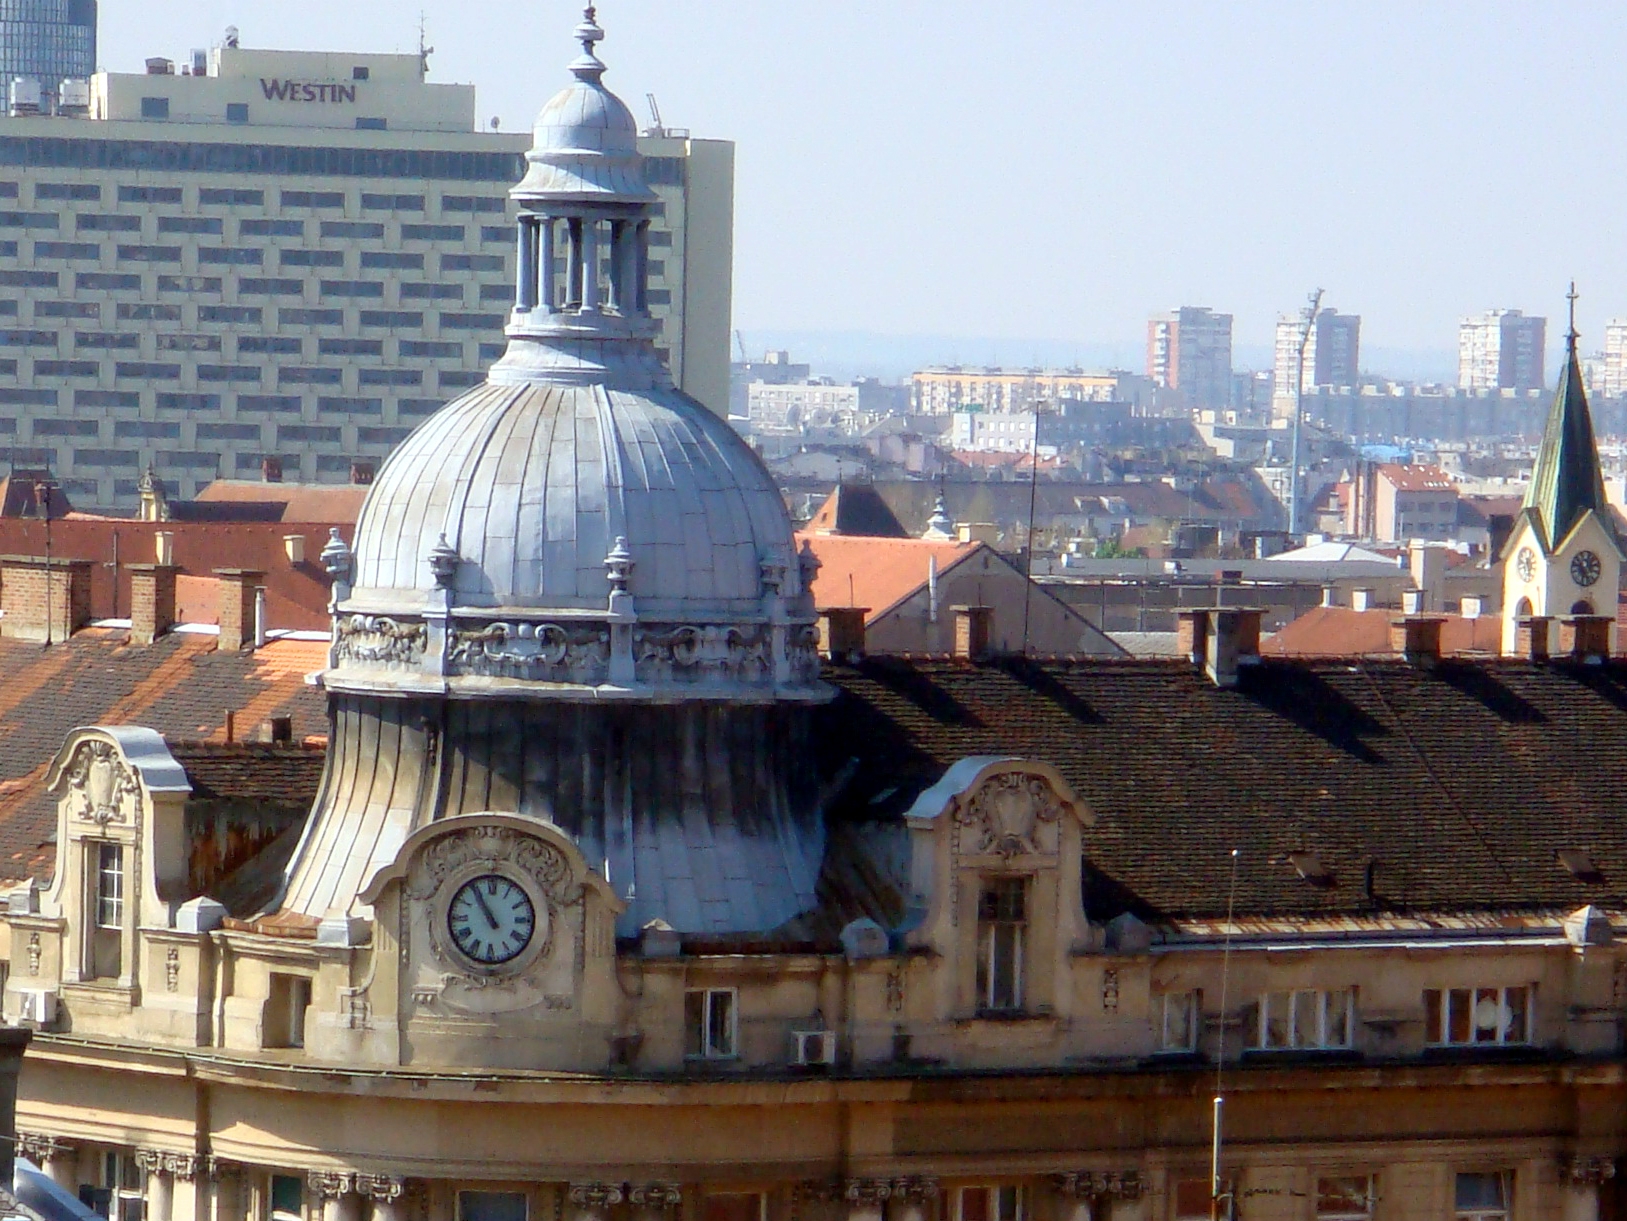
1002 921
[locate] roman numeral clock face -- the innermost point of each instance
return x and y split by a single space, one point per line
491 919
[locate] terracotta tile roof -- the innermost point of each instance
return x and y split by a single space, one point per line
1458 784
291 502
181 686
1338 631
877 573
1405 478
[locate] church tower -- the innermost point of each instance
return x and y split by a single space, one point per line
1564 556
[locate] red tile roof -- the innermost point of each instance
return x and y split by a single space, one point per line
1338 631
294 502
1406 478
877 573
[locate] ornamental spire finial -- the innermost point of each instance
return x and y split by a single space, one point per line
587 66
1570 335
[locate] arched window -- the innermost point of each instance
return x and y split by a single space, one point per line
1522 608
1582 607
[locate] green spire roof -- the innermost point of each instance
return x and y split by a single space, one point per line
1567 481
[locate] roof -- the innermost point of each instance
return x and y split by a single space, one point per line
256 500
856 508
1566 481
877 573
1332 552
1444 789
1338 631
180 686
1408 478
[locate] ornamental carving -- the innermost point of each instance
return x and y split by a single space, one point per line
182 1166
802 651
536 858
101 789
379 640
915 1188
703 655
1011 814
331 1184
40 1148
596 1196
1098 1184
539 652
867 1193
34 952
1582 1171
384 1188
656 1195
172 969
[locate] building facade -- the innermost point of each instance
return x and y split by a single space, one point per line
1332 355
941 391
47 42
1189 350
1501 349
219 269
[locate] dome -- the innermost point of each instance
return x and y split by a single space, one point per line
531 485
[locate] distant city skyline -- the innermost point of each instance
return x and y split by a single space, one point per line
875 147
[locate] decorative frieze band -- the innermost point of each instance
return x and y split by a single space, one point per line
382 1188
1093 1184
596 1195
40 1148
183 1166
331 1184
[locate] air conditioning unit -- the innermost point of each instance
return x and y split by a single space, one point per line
36 1007
810 1047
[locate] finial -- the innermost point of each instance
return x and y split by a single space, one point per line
587 66
443 563
1570 335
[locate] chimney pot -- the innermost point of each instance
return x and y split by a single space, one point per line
842 632
1361 599
1531 637
164 547
1417 638
1233 641
974 631
294 545
237 595
152 601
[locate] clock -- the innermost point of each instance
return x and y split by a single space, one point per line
491 919
1584 568
1526 563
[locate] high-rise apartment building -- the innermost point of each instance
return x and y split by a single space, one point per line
290 255
1332 353
47 42
1501 350
1189 350
1613 375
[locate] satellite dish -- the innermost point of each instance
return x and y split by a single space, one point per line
495 122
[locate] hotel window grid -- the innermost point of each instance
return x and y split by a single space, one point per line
1305 1018
711 1023
1473 1017
1002 921
993 1202
1482 1196
1179 1018
1344 1197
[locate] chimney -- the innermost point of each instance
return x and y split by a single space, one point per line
1585 637
1417 637
294 545
1233 641
1328 598
237 586
43 600
164 547
1473 605
1361 599
1412 601
842 632
152 601
277 730
1531 637
1191 633
271 469
974 629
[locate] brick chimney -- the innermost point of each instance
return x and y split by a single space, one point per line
1531 637
1417 637
1192 635
974 631
43 600
152 601
841 630
237 586
1585 637
1233 640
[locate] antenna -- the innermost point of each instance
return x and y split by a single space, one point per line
1220 1053
657 128
424 49
1307 319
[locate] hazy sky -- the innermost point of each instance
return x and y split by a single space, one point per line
1062 168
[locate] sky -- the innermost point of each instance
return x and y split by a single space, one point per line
1032 178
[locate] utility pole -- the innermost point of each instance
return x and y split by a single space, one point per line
1307 319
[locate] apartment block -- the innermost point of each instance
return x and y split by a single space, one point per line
1332 353
946 389
1189 350
1501 349
287 255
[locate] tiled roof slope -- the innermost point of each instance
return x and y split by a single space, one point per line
1338 631
1459 784
181 686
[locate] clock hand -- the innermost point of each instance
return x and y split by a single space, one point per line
481 900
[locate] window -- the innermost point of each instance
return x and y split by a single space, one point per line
1344 1198
105 953
271 228
311 317
237 112
996 1203
1461 1017
287 1197
170 195
155 108
285 1010
89 222
190 224
1305 1018
372 124
118 1196
352 229
709 1023
491 1206
1482 1197
110 886
1178 1017
232 197
1001 922
313 199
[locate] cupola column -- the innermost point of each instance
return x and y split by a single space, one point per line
619 298
545 264
590 266
525 296
573 263
641 268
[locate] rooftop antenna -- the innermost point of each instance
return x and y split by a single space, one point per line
1307 319
657 128
424 49
1221 1203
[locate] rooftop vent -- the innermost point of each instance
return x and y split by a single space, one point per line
1309 866
159 66
1580 866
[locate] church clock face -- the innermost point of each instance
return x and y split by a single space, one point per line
1585 568
491 919
1526 563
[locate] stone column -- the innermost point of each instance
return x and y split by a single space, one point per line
545 264
160 1192
1579 1181
226 1202
912 1197
56 1157
525 262
641 268
385 1192
866 1199
573 262
336 1190
590 266
593 1201
1088 1195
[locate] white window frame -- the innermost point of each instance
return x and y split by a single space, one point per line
109 900
708 1051
1296 1039
1170 1004
1368 1195
1486 1214
283 1214
1441 1003
992 1192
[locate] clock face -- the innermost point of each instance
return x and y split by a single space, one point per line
1526 563
1585 568
491 919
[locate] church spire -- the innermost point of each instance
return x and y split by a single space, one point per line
1566 481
